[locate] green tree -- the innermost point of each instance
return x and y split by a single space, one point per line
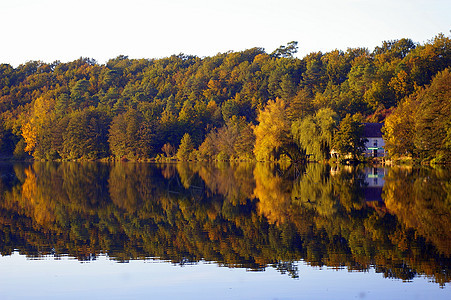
349 138
79 94
86 135
315 133
314 78
186 148
287 51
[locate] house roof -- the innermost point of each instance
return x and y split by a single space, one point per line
372 130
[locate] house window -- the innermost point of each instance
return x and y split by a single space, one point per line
375 143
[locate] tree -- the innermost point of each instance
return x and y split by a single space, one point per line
273 133
359 82
79 94
40 133
399 128
117 137
209 147
287 51
245 141
186 148
337 66
131 135
425 61
86 135
314 78
169 129
234 140
433 118
397 48
420 126
349 138
315 133
168 150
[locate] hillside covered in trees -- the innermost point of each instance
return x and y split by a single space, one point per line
235 105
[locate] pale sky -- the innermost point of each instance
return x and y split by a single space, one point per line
50 30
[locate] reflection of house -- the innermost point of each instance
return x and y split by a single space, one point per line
374 147
374 182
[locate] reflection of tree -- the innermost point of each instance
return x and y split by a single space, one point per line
273 193
421 200
243 215
314 190
29 199
130 185
83 183
235 183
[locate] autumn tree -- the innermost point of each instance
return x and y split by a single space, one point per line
399 128
188 94
86 135
420 126
433 119
40 133
131 135
168 150
235 140
209 149
273 133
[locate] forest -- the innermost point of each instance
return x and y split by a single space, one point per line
246 105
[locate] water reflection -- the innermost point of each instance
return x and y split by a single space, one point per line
374 183
252 216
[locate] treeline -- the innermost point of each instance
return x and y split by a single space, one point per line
420 127
247 215
234 105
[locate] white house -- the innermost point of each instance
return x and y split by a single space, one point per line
374 147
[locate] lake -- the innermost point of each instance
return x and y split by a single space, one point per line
223 231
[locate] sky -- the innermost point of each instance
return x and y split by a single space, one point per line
65 30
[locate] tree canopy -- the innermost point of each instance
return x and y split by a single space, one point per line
42 105
421 125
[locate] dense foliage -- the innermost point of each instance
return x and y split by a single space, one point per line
421 124
134 107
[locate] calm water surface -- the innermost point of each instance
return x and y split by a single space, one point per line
221 231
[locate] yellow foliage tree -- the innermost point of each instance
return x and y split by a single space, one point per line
29 133
41 118
400 85
399 129
273 130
